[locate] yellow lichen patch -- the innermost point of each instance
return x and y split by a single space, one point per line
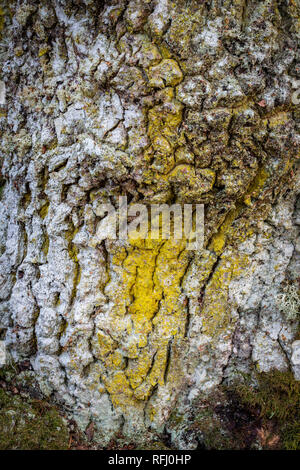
115 361
150 53
218 241
138 368
161 145
165 52
45 246
189 183
145 293
258 183
216 312
105 344
43 51
247 200
119 389
163 125
149 290
254 189
183 173
172 262
166 73
72 249
184 23
208 177
152 412
156 375
44 210
164 121
137 271
183 155
279 119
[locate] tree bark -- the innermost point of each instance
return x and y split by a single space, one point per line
161 101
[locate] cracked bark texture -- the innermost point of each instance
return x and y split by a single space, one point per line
163 101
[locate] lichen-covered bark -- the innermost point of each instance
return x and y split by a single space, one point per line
163 101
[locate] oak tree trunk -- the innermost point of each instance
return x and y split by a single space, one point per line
162 101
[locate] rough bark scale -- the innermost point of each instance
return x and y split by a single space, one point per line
162 101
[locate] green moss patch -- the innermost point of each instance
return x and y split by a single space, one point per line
30 425
277 397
